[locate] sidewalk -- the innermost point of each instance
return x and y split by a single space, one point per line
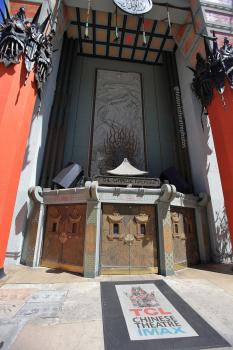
41 308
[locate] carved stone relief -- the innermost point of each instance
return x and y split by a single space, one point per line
115 223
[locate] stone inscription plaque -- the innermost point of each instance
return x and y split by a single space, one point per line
149 315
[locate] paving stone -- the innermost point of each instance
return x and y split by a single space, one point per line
73 311
15 295
26 286
8 333
78 336
9 310
86 293
43 310
211 302
48 296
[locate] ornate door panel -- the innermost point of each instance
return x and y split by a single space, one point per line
185 245
128 239
64 237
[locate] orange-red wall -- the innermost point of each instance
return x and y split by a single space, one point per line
221 119
16 107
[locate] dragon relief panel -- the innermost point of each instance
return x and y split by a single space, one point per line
118 125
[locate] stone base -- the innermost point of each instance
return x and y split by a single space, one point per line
2 273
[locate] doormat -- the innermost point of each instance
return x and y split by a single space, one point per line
150 315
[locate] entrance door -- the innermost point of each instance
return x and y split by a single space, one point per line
64 237
185 245
128 239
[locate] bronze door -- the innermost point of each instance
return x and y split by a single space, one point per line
64 237
128 239
185 244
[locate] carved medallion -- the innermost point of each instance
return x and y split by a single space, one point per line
129 238
134 7
63 238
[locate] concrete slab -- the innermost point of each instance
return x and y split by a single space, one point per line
73 311
47 296
7 294
75 318
211 302
78 336
9 332
42 310
223 280
9 310
84 292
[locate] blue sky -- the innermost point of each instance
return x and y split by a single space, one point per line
2 8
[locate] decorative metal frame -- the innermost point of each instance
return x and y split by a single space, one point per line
138 32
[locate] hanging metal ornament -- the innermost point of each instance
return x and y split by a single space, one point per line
35 37
134 7
116 28
144 41
86 34
169 20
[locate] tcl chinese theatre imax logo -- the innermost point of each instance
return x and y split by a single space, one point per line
149 315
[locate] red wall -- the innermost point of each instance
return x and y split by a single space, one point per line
221 119
16 107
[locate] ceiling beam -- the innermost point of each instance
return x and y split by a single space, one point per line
94 31
79 30
108 33
122 35
150 40
130 31
162 45
136 37
125 46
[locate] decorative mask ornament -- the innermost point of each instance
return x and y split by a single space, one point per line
226 53
12 37
134 7
20 37
212 71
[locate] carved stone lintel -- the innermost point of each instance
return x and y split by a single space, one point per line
168 193
203 200
92 187
36 194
